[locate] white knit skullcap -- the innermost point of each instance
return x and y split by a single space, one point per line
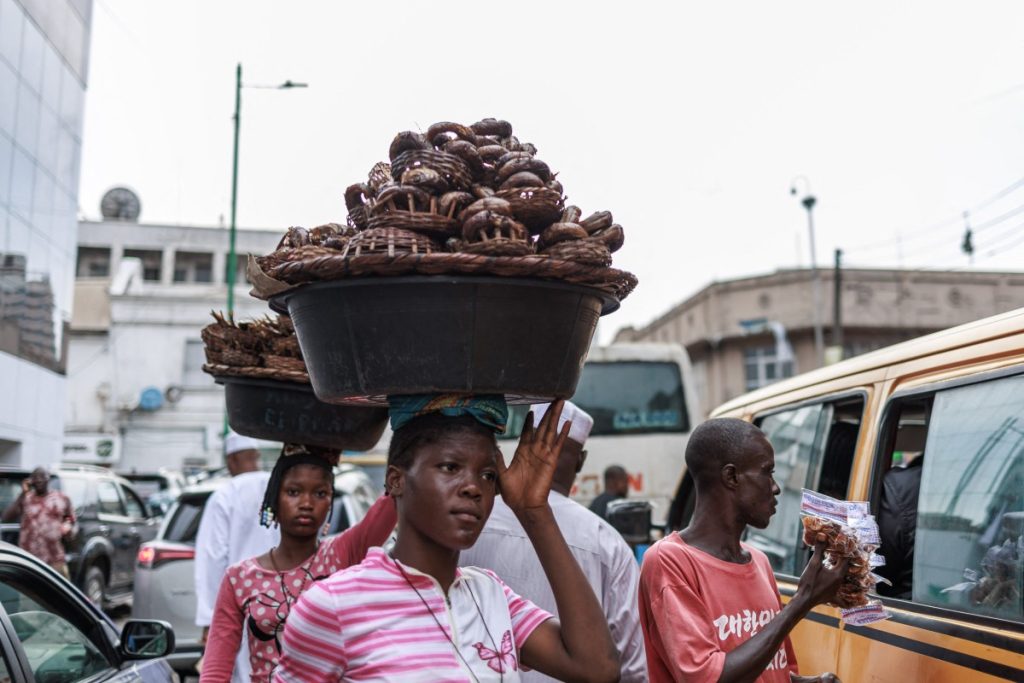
236 442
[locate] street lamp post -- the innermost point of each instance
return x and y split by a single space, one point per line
232 257
808 201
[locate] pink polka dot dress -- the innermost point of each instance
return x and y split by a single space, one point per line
259 599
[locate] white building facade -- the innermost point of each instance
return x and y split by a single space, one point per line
138 398
44 52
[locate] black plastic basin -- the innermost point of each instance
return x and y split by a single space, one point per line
287 411
363 339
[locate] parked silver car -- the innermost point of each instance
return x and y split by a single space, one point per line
164 580
49 631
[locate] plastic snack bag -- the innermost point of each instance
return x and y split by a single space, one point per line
850 532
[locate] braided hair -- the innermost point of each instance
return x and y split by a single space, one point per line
293 455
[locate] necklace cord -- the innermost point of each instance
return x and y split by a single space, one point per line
450 639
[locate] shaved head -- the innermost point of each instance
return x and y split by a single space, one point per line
717 443
40 480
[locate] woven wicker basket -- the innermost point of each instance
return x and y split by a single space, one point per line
309 265
337 242
450 166
499 236
284 363
229 356
499 246
589 252
389 242
357 217
534 207
379 175
256 372
227 335
286 346
431 224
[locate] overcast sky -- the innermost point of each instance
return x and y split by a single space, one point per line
687 120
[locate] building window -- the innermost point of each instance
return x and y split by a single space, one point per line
195 356
150 262
93 262
763 367
192 267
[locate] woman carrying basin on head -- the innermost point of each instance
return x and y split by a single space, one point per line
413 614
258 594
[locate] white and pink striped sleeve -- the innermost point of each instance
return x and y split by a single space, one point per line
312 647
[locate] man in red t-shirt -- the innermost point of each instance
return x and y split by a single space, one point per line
709 606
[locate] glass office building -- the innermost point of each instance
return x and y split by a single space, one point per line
44 49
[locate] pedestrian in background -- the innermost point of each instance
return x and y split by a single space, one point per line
47 518
230 532
606 560
616 486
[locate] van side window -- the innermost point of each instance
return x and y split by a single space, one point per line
970 523
814 448
907 421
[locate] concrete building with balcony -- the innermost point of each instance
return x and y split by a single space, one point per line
745 333
44 63
142 295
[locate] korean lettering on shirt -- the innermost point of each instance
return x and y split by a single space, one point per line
747 624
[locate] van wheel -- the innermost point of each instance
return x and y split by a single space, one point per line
95 586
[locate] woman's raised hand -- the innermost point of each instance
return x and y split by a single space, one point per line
525 483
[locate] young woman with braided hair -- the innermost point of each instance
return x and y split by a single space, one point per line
257 594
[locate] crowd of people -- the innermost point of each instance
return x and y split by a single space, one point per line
471 569
493 573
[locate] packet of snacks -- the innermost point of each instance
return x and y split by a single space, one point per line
849 531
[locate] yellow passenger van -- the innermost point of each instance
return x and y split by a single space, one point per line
939 420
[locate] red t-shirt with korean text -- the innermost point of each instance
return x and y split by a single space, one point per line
695 608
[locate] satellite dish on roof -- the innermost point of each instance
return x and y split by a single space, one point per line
120 204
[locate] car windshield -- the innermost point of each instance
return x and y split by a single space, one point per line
73 487
185 519
624 397
147 486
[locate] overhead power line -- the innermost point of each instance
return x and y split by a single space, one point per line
929 230
984 250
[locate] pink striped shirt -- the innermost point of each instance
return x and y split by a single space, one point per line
366 623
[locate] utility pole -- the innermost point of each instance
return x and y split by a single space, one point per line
808 201
232 258
232 274
837 301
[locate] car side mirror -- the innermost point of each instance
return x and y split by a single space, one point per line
146 639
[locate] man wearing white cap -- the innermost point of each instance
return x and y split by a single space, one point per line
230 532
607 561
